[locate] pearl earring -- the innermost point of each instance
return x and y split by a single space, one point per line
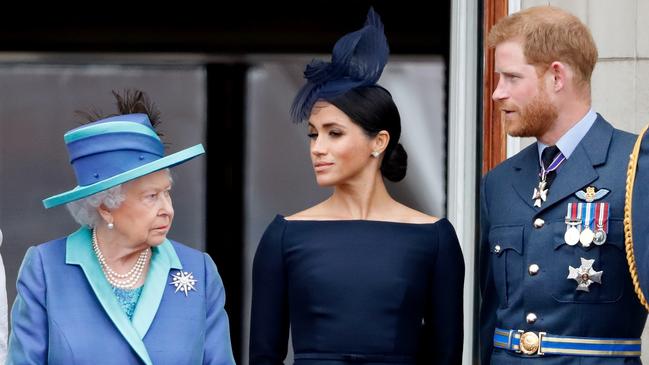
376 154
110 225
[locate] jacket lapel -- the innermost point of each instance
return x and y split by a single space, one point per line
79 252
579 170
163 259
526 174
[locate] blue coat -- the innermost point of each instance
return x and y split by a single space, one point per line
511 289
66 313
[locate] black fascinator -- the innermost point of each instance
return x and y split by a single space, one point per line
358 59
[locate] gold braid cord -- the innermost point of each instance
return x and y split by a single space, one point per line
628 227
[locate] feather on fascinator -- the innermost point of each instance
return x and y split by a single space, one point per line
358 59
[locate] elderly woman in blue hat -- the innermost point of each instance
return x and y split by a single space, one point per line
117 291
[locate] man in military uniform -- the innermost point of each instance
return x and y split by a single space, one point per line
555 281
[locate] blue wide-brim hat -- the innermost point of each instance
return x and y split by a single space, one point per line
115 150
636 217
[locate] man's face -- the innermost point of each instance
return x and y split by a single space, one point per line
521 94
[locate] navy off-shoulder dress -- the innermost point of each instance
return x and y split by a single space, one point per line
357 291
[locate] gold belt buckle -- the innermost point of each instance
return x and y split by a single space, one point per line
530 342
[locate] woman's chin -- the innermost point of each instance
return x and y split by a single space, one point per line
157 240
326 182
156 243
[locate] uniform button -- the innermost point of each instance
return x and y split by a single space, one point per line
531 318
497 248
533 269
539 223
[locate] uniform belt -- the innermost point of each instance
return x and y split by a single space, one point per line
542 343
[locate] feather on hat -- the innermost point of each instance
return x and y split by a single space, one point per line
358 59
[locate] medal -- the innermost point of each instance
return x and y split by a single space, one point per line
540 194
599 237
584 275
573 221
601 217
572 236
586 237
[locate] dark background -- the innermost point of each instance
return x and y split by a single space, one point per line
242 28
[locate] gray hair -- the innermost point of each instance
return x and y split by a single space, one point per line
84 211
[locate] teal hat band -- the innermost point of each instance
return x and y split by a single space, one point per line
108 127
112 151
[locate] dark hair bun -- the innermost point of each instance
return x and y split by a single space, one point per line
395 164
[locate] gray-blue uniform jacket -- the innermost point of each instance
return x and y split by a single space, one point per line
524 259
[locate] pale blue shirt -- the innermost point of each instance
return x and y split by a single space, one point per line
569 141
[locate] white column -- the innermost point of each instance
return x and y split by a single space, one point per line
462 163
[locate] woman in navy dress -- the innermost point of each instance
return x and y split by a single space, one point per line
358 278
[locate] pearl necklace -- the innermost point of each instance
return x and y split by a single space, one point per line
122 281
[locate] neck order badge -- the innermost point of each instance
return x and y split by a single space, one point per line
540 194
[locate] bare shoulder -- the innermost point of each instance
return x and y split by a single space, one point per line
410 215
395 213
315 212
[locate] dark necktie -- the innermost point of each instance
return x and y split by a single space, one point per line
547 156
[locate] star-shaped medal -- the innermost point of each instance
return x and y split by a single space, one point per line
183 281
540 194
585 275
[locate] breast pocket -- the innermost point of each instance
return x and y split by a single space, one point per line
609 258
506 247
